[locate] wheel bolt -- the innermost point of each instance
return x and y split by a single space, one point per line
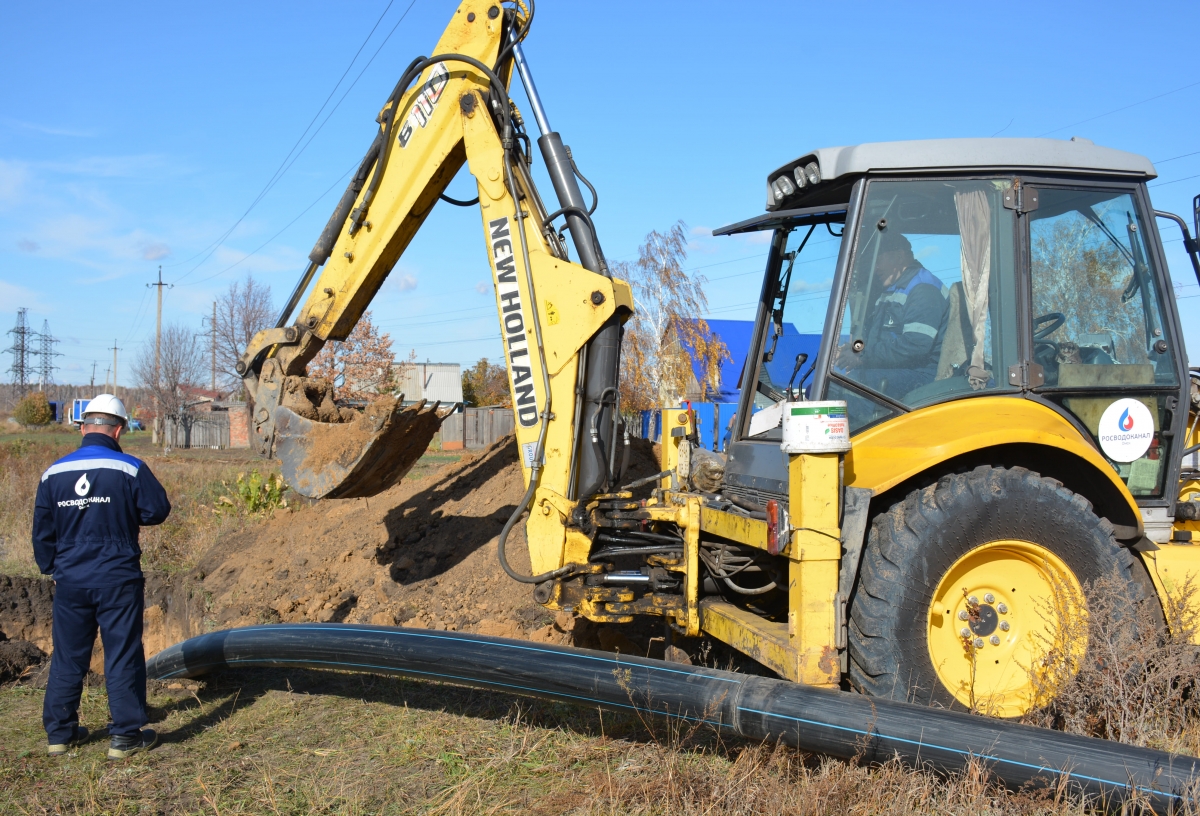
962 615
989 598
995 639
964 632
973 600
1002 609
978 643
1004 627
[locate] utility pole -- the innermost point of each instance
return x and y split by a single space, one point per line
114 367
212 335
21 352
158 349
93 377
47 355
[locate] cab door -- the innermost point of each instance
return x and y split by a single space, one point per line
1102 345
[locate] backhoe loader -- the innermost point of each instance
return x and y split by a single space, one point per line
1000 418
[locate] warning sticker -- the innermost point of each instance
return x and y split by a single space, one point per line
528 452
1126 430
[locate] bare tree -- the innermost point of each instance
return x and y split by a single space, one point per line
656 365
241 312
182 366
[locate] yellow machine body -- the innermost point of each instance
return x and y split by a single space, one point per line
549 308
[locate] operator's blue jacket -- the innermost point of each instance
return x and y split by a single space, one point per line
88 509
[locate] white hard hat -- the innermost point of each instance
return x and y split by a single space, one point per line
106 404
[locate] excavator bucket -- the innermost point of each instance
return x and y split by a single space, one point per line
346 460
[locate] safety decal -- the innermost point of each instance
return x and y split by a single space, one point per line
513 321
1126 430
425 103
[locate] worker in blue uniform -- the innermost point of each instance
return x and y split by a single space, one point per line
89 507
904 329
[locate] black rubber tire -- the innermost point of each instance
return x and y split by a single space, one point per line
912 545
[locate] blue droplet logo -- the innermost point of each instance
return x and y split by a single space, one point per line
1125 423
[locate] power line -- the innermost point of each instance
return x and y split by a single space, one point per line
290 159
1118 110
276 235
1176 181
1173 158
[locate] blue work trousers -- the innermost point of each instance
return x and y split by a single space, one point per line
117 610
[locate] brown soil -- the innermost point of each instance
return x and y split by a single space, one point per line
420 554
17 658
26 606
174 612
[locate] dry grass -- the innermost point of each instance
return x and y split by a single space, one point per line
193 481
21 465
1133 687
322 742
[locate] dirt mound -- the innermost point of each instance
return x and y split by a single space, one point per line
26 610
422 553
17 657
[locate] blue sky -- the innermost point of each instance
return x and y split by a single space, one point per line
135 135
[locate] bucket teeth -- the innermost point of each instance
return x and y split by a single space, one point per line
362 457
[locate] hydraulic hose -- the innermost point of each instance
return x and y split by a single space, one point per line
536 467
824 721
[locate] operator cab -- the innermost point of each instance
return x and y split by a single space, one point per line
961 268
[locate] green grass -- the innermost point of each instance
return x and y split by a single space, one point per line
303 742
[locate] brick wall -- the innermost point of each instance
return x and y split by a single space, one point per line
239 426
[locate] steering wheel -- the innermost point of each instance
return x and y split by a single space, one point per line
1047 324
1046 351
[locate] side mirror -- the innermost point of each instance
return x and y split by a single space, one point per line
1190 244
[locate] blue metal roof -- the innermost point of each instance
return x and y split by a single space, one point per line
737 336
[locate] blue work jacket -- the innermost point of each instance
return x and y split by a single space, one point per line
89 507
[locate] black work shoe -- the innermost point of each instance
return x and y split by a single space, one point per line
80 737
125 747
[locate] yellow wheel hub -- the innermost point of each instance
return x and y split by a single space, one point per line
1007 626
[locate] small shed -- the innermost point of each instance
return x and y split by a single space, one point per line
432 382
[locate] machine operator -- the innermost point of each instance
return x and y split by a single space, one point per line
89 507
904 329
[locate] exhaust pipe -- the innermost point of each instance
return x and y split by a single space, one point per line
822 721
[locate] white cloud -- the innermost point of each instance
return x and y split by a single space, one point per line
16 296
49 130
812 286
155 251
25 245
483 288
406 283
148 165
13 178
705 231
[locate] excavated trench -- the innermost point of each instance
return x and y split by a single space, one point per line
421 554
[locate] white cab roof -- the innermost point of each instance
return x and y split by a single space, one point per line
954 154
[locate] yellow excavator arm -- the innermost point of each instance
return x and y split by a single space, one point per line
559 320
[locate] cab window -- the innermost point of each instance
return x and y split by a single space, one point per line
1097 327
930 307
1097 314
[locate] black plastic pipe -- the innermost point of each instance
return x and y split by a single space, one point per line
818 720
